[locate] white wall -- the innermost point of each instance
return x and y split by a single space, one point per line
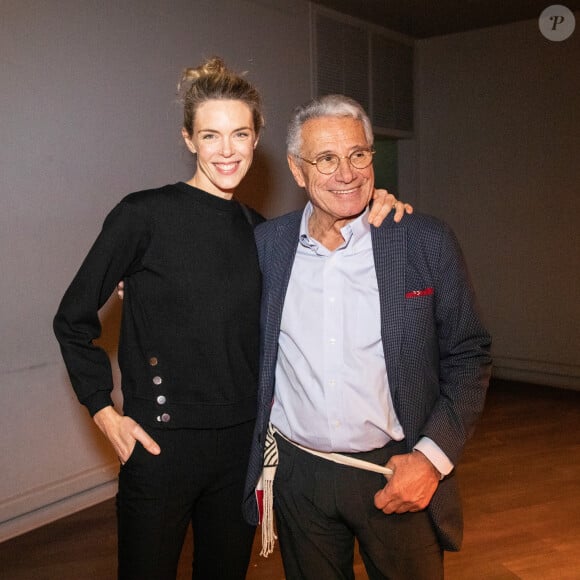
497 156
87 115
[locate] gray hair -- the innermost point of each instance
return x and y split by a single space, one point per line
326 106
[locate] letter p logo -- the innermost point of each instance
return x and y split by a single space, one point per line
557 23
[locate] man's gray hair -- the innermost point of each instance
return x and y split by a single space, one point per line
326 106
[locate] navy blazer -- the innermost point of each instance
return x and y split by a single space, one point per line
436 348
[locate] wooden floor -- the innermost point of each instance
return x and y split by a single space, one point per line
520 479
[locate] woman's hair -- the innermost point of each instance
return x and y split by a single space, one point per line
326 106
213 80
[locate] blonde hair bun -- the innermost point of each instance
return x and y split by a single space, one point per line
214 80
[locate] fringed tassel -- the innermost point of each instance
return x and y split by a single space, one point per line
269 472
268 535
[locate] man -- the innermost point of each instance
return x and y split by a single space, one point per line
371 348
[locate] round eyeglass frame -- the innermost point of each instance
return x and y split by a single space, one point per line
337 158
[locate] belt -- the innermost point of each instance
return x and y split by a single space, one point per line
341 459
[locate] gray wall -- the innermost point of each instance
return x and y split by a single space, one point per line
87 115
497 157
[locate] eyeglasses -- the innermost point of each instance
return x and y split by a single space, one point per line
328 163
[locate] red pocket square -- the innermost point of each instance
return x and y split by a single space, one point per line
417 293
260 501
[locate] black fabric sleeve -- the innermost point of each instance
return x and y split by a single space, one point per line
115 252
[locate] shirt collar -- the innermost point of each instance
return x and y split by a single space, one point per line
356 231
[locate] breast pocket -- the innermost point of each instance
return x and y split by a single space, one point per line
420 298
419 322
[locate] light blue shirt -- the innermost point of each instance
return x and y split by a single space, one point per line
332 389
331 368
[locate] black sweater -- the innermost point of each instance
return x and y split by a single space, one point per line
188 349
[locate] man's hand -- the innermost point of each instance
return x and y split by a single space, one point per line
123 433
383 203
411 486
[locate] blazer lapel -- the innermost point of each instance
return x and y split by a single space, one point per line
277 272
286 244
390 255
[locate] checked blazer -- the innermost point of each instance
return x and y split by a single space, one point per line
435 346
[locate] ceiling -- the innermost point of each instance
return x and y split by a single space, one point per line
426 18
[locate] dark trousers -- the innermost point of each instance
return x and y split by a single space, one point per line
197 479
321 507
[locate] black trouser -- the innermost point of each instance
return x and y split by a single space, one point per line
321 507
198 478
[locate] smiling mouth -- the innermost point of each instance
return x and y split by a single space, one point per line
227 167
345 191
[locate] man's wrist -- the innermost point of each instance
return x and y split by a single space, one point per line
435 455
437 473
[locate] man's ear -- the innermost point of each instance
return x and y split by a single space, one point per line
296 171
188 140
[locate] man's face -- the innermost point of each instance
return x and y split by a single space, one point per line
344 194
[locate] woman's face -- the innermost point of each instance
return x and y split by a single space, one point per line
223 140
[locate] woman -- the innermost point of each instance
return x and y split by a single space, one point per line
188 349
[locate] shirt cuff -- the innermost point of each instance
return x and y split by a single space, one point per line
433 453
